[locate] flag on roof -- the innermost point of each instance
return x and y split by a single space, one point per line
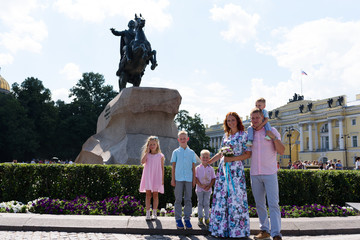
303 73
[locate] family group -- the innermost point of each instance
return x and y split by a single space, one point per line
229 216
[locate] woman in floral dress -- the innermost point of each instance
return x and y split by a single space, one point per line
229 210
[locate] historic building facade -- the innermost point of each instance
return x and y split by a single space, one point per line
318 130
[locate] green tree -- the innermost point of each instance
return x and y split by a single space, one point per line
32 125
17 136
196 130
90 92
78 120
41 111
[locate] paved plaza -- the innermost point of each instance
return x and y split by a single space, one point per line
21 235
80 227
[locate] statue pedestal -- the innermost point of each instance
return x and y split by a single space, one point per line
127 121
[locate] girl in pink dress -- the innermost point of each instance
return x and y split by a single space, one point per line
152 179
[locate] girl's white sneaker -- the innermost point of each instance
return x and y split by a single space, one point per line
154 215
148 218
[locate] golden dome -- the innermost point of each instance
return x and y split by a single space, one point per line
4 85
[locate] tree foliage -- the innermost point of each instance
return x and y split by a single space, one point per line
91 94
33 126
18 139
79 118
40 111
196 130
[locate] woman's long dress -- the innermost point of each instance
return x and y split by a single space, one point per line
229 210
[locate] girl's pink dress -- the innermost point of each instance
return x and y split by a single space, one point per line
151 178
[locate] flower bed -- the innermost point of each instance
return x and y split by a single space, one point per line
316 210
128 205
13 207
82 205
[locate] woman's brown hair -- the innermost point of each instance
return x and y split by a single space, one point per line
240 126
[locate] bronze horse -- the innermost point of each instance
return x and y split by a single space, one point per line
138 57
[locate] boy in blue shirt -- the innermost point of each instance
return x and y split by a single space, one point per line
261 104
183 179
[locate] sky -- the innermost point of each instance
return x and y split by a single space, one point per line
221 55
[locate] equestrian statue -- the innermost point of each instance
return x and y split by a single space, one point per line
135 53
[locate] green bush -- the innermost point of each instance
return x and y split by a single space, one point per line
26 182
300 187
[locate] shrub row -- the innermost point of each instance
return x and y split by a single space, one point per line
26 182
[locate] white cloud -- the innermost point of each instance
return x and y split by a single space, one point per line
71 71
212 100
24 32
61 93
97 11
217 89
200 71
6 58
327 49
241 25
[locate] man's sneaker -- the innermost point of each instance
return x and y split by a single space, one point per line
262 235
188 224
277 238
179 224
207 221
248 143
201 222
268 138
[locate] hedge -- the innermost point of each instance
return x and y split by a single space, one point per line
26 182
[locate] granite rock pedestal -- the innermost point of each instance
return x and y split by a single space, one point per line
127 121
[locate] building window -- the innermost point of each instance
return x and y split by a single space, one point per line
353 122
325 143
324 128
337 123
354 141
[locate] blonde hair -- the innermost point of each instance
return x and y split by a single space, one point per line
204 151
151 138
261 100
183 132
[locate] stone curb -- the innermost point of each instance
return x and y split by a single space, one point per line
165 225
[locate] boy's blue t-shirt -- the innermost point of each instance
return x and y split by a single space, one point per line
265 113
184 159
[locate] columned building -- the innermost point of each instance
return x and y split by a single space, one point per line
318 130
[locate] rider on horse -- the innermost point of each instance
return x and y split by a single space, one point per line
135 55
126 37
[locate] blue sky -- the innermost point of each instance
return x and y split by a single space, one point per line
221 55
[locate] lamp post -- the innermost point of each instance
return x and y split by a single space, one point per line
289 131
344 136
